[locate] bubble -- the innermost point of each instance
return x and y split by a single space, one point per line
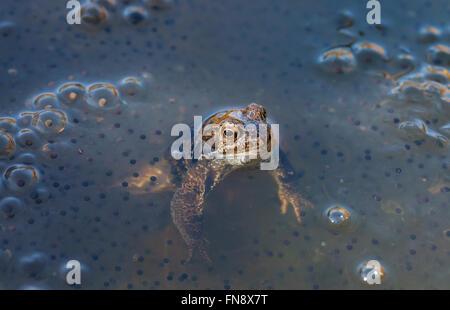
48 122
103 96
73 94
437 74
110 5
45 101
417 129
405 62
28 139
33 265
131 87
337 218
439 55
370 53
338 60
26 159
370 271
345 20
10 207
8 124
446 233
429 34
7 145
428 94
6 28
20 177
338 215
93 14
135 15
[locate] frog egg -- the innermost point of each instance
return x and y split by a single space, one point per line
45 101
110 5
135 15
72 94
40 195
7 145
429 34
371 272
10 207
345 20
8 124
404 62
130 87
50 122
437 74
28 139
93 14
439 55
33 265
103 96
368 53
26 159
61 153
338 60
6 28
157 5
20 177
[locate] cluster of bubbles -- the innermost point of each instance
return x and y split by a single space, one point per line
39 136
425 94
419 89
98 12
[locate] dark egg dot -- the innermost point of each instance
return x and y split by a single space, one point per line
153 178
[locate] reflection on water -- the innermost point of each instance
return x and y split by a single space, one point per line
85 124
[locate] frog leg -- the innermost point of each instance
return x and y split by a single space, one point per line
187 207
288 193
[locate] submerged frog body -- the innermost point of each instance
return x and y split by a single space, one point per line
199 177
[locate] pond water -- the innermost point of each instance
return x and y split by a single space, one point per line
86 115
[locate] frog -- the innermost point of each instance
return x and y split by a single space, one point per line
198 177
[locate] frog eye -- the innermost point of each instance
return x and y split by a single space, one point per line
228 133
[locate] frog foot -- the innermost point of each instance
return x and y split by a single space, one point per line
289 196
199 246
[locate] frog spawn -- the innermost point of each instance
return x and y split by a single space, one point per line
39 141
97 14
415 88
